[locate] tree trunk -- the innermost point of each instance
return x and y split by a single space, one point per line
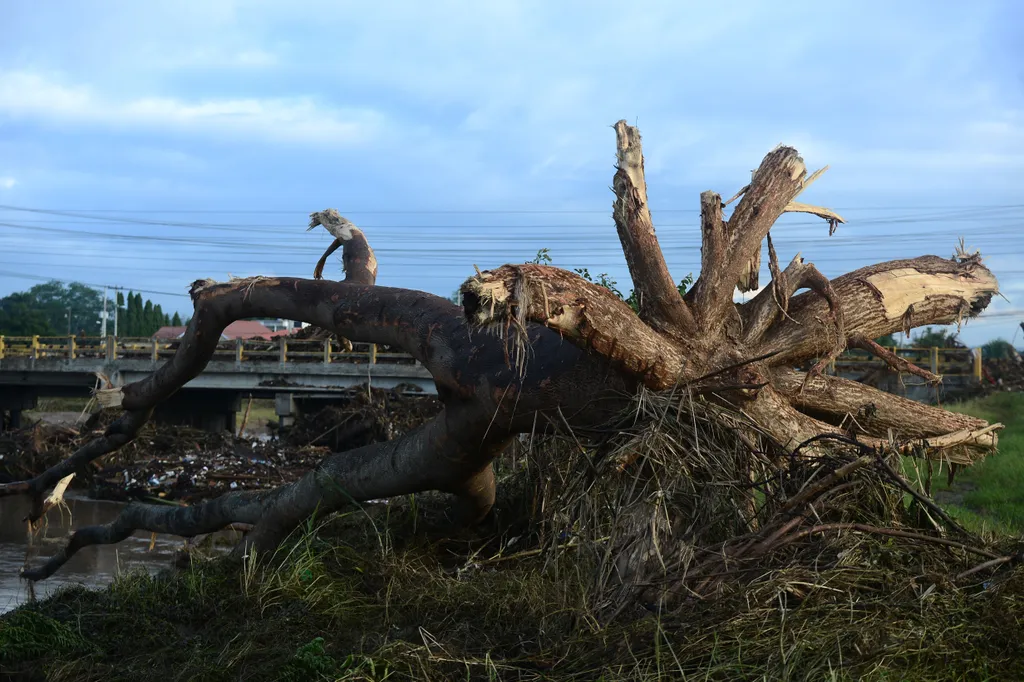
502 366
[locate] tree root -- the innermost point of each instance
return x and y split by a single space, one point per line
884 419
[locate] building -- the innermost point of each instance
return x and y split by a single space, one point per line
239 329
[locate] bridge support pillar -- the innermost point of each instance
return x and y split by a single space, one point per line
284 407
209 410
12 403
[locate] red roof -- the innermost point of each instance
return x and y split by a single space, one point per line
169 332
239 329
246 329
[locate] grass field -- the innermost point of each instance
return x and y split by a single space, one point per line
990 495
261 412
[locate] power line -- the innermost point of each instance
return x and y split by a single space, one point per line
467 211
22 275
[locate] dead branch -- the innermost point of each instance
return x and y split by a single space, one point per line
776 182
661 306
894 361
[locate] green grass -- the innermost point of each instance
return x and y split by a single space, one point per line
989 496
262 411
363 597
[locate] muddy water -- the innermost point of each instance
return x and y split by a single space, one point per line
92 567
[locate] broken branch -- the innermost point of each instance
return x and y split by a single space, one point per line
660 304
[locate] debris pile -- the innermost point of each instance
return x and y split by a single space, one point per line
26 452
180 464
366 417
1005 374
189 465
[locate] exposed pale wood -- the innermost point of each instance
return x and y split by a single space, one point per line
883 299
961 447
660 304
55 498
825 213
775 183
750 274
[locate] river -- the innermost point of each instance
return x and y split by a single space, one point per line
92 567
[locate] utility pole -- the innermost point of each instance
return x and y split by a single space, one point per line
103 324
116 291
69 320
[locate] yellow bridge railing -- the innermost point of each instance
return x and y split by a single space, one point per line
942 361
281 349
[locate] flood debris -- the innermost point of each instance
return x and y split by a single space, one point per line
185 465
1004 374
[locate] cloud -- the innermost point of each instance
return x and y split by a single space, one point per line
31 96
7 182
217 57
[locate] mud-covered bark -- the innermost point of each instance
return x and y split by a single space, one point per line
535 346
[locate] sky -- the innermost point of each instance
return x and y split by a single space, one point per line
146 145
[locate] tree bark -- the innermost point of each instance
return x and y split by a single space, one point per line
661 306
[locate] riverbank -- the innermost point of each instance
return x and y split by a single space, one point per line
368 596
395 591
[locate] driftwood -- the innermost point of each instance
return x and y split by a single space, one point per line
534 347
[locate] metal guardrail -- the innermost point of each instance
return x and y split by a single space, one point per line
281 349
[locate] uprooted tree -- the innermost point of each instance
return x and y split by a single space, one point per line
534 348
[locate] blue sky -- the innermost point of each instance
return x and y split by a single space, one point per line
462 133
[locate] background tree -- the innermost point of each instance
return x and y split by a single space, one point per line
939 338
889 341
20 315
998 349
176 320
141 318
51 301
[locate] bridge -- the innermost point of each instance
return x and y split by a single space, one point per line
296 372
292 371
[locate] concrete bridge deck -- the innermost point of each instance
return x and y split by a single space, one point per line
294 370
287 369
